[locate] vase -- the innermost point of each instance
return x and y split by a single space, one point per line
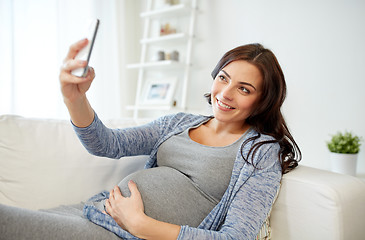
344 163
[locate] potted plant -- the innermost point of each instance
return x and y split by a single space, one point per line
344 149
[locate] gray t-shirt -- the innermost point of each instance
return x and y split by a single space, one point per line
189 181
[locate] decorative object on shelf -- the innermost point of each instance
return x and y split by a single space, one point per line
161 56
159 91
172 2
174 55
166 29
344 149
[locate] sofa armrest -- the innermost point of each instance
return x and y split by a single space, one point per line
317 204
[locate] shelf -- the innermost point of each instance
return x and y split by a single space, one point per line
157 64
170 37
182 15
172 11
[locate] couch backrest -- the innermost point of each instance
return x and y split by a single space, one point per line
43 164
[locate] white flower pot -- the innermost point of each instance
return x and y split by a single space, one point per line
343 163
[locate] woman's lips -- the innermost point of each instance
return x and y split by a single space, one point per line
223 105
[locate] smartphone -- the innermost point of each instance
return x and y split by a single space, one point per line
85 53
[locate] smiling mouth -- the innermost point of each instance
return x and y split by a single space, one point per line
221 104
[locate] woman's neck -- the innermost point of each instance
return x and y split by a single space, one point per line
227 128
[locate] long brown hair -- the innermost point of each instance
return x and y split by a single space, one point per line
266 118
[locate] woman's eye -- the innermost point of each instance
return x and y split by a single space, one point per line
244 90
222 78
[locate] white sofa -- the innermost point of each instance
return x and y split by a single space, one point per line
43 165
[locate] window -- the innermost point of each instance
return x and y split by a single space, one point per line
35 37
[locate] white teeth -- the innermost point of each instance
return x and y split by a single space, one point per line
223 105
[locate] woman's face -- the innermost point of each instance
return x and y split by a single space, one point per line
235 92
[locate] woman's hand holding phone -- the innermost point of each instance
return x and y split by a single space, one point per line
74 88
76 63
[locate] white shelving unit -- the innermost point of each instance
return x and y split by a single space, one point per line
184 13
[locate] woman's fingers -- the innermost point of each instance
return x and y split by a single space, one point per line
117 192
116 195
108 207
72 64
134 189
73 88
136 197
90 73
67 77
111 194
75 48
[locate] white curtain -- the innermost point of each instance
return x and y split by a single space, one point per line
34 39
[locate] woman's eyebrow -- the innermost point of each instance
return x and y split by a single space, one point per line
226 74
244 83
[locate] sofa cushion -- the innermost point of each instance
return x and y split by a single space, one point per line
43 164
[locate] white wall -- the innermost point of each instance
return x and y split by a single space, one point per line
320 45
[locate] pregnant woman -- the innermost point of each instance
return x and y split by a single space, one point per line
207 177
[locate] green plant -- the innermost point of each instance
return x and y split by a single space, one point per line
344 143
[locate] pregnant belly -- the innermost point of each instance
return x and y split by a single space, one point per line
170 196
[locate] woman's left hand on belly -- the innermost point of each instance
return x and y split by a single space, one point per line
126 211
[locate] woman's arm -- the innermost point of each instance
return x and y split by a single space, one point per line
152 229
140 140
102 141
74 88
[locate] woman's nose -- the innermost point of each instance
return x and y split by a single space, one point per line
227 92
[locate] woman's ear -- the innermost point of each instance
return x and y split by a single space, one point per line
208 97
